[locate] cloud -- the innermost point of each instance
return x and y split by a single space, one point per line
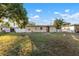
43 22
73 18
67 10
65 15
29 19
31 14
76 15
56 12
38 10
36 17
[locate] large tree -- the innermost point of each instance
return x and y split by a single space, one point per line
15 13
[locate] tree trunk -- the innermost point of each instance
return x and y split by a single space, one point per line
12 30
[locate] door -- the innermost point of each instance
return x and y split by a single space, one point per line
48 29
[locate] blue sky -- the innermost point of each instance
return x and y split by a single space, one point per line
46 13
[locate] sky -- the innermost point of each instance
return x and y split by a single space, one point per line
46 13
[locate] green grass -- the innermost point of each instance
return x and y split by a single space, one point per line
55 44
39 44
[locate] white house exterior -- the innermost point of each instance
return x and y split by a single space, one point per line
20 30
40 28
70 28
6 29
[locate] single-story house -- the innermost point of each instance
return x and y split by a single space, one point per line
70 28
40 28
37 28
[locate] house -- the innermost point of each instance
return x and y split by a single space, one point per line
37 28
70 28
40 28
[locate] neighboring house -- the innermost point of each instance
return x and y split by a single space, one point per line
70 28
76 26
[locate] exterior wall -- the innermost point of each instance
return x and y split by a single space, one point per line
68 29
44 29
20 30
36 29
28 29
6 29
65 29
72 29
52 29
40 29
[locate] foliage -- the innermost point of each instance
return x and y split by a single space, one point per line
15 12
1 21
7 24
58 23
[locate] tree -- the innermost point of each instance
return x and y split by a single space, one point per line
14 12
58 23
1 22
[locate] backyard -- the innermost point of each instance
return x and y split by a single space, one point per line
39 44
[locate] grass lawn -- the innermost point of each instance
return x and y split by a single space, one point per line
39 44
54 44
14 44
